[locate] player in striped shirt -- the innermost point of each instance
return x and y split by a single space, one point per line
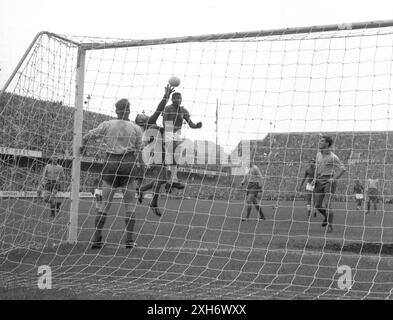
329 169
153 137
254 181
52 177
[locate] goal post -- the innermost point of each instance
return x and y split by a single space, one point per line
77 143
272 91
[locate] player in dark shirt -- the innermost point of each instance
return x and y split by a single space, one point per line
154 135
309 176
358 190
173 116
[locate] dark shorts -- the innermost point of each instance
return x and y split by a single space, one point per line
120 169
324 186
253 188
158 172
51 185
372 194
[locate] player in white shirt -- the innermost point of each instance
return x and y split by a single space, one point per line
123 165
254 181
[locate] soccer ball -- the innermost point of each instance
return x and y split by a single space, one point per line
174 81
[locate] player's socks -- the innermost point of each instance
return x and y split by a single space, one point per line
261 215
140 195
155 209
130 244
97 244
130 223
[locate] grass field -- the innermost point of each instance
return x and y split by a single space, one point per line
198 249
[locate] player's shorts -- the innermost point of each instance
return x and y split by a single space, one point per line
324 186
310 187
158 172
253 188
51 186
359 196
120 169
372 194
172 139
98 194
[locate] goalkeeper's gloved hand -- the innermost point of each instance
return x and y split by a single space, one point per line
199 125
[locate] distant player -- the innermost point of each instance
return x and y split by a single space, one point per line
123 163
97 193
329 169
254 181
372 194
358 191
309 176
173 117
52 177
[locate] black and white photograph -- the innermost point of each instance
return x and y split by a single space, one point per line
208 153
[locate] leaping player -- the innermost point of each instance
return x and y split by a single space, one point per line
173 117
160 170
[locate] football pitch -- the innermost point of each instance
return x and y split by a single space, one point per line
198 249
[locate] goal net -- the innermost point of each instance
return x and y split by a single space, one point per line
264 98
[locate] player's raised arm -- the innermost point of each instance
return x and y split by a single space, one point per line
161 106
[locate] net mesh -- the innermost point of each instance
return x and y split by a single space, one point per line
271 97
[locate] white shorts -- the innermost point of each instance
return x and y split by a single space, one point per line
309 187
173 136
97 192
359 196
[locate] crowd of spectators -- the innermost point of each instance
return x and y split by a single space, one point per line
32 124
